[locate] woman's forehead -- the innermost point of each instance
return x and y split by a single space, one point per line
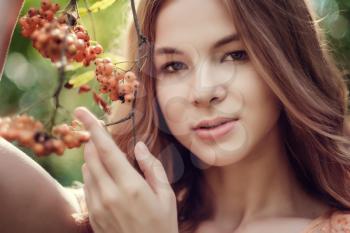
197 23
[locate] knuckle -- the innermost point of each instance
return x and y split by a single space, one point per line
109 200
133 191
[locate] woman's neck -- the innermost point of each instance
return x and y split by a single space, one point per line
261 185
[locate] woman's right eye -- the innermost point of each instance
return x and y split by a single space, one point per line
172 67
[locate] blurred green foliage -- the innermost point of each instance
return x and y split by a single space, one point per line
335 21
29 78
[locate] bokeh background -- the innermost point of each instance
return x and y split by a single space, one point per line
28 78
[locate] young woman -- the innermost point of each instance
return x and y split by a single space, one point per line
280 164
244 108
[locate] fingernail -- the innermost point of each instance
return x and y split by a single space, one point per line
79 112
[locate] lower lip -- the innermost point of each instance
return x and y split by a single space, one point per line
217 132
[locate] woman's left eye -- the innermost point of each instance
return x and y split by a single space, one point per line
239 55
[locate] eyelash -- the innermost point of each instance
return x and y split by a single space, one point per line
238 52
242 57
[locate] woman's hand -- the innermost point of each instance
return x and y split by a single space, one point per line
119 199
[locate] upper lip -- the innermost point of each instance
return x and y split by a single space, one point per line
214 122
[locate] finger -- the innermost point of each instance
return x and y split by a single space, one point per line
90 200
153 169
110 222
98 173
92 124
111 156
107 188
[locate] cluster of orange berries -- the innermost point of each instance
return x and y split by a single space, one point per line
31 134
71 135
54 36
37 18
118 85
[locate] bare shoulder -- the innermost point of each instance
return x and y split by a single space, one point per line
13 158
6 147
18 170
28 194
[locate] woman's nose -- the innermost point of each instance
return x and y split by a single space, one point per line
206 91
208 97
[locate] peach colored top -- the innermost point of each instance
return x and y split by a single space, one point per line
333 221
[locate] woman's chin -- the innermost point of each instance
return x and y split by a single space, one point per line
207 157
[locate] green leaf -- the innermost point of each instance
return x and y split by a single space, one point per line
74 66
96 7
82 79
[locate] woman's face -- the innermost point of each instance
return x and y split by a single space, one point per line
202 73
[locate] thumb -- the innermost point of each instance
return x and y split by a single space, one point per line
152 168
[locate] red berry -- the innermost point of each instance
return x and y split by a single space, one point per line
98 49
84 88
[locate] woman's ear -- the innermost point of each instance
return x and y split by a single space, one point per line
9 10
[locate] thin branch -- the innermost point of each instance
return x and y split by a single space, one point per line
141 40
71 10
131 114
56 95
72 6
133 62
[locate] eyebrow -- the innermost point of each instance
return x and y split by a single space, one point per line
218 44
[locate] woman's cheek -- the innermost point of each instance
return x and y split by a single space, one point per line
175 108
261 110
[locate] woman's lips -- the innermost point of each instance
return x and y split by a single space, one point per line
211 134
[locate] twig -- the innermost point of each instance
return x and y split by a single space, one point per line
131 114
56 95
71 10
133 62
141 40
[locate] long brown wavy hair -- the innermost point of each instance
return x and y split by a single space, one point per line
286 46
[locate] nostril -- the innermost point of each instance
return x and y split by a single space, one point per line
213 100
